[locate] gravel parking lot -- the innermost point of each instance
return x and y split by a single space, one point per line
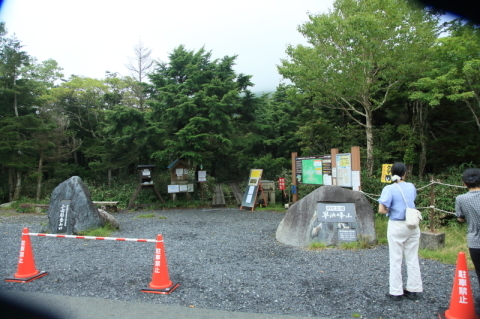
224 259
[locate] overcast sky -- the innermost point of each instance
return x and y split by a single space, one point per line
89 37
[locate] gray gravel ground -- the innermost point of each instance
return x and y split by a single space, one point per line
224 259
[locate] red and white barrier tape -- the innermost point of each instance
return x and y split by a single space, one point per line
93 237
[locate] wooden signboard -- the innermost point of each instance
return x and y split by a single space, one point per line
254 185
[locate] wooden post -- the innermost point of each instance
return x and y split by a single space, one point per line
333 153
294 177
432 203
355 150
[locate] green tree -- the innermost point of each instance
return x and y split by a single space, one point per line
455 71
198 100
85 102
357 55
12 59
132 136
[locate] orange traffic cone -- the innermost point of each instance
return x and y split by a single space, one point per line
462 303
26 270
161 283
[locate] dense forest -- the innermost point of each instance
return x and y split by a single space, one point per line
387 76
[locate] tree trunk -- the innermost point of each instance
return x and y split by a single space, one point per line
421 112
39 177
369 132
109 177
10 183
477 121
18 186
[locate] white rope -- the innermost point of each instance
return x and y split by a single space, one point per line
420 188
444 211
430 207
459 186
431 183
367 195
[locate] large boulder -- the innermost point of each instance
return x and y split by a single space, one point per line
301 225
71 209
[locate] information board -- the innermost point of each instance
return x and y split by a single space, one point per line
312 172
250 194
182 188
202 176
347 235
316 170
344 170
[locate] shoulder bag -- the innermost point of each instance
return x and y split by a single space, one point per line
412 215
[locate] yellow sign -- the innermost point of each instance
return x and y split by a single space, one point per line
256 173
255 176
386 173
344 160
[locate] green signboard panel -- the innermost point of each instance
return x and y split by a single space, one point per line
312 172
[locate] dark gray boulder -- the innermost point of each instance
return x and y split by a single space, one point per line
71 209
301 225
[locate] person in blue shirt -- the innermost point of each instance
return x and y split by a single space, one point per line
403 240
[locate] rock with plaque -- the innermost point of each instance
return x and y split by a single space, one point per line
329 214
335 219
71 209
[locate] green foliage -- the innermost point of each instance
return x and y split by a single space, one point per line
317 246
119 190
271 166
104 231
151 215
277 207
381 223
198 100
455 242
362 242
423 99
444 194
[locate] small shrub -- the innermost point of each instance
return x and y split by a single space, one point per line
381 223
351 245
104 231
317 246
146 216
